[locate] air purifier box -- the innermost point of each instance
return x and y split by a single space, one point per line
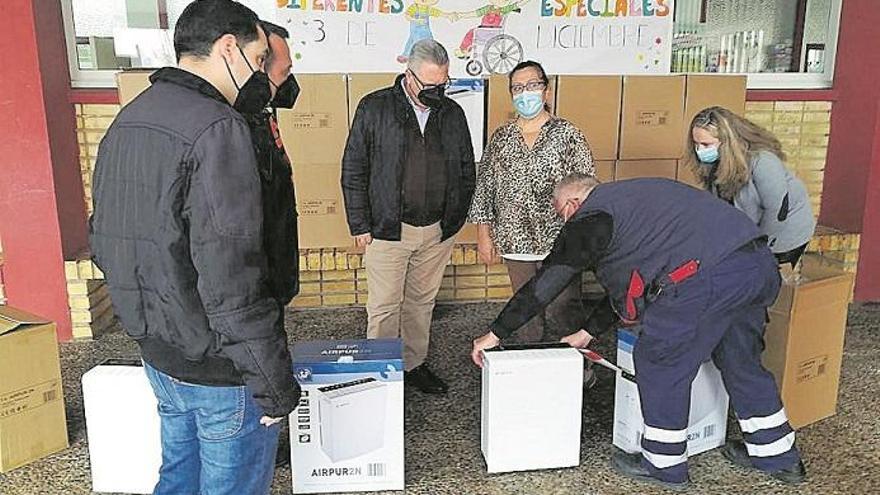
347 433
707 424
531 407
122 427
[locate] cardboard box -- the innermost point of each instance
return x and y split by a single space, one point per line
804 340
501 102
314 134
634 169
347 433
531 408
123 428
315 130
686 175
32 418
360 85
132 83
592 103
319 203
707 424
716 90
652 117
604 170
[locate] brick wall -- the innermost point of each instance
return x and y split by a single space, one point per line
803 128
92 122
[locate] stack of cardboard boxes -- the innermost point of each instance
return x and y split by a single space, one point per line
636 126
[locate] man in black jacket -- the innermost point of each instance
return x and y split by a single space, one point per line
177 229
280 236
276 175
408 177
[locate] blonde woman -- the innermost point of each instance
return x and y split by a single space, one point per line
512 205
743 164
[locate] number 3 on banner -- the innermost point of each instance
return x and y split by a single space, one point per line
321 35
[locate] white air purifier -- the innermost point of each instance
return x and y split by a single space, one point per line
122 427
531 407
351 416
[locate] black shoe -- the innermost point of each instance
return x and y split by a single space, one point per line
425 380
630 465
736 452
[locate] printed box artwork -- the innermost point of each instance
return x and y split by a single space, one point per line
347 433
707 424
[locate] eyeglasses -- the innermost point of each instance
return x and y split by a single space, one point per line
516 89
429 86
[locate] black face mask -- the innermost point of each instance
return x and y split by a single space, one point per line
286 94
430 96
433 97
254 94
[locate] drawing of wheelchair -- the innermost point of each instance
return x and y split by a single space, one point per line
494 51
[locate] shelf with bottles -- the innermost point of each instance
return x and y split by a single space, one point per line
742 52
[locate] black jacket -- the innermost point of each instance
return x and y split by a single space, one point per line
177 230
279 207
372 167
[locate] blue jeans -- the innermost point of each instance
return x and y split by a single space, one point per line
212 439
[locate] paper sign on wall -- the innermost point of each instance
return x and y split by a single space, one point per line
482 37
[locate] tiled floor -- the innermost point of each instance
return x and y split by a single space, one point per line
442 434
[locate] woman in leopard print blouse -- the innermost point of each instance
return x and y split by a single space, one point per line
512 205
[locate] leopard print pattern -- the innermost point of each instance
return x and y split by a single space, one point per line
515 184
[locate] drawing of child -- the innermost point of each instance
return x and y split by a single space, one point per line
419 15
492 15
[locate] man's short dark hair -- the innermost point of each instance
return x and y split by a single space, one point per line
203 22
277 30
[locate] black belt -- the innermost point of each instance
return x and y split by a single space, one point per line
754 245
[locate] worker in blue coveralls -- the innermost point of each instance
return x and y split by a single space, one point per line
697 276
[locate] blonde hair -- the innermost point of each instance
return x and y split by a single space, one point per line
741 139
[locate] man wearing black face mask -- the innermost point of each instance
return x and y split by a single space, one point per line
177 230
408 177
279 204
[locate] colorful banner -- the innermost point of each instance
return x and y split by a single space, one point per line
482 36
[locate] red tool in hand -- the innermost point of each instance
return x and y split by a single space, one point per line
598 359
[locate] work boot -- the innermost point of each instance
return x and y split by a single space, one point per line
422 378
735 451
630 465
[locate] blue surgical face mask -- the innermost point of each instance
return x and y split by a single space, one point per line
708 155
529 103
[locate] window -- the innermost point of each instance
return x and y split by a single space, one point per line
108 35
778 43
